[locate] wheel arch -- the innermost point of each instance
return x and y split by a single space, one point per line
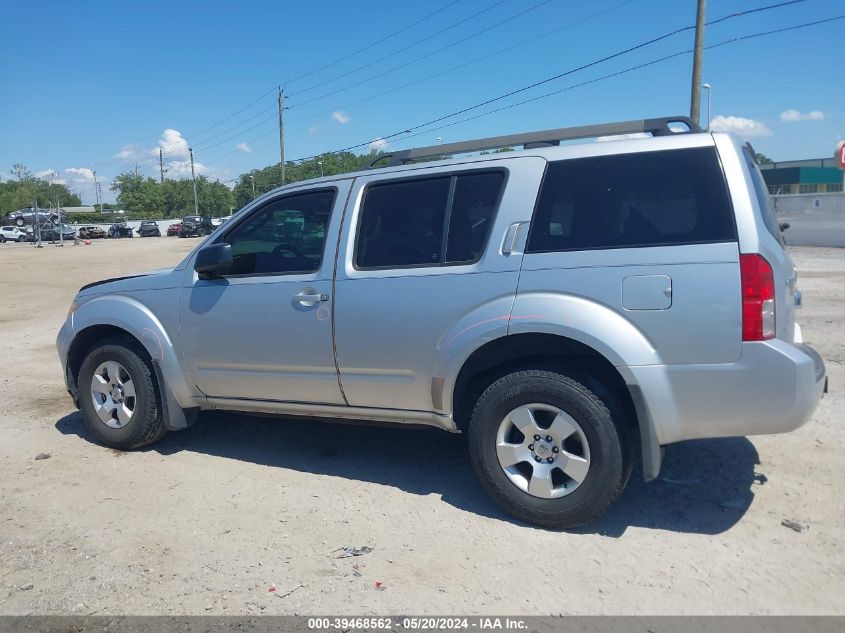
515 352
118 315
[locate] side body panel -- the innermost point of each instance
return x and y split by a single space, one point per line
400 332
579 294
754 236
250 338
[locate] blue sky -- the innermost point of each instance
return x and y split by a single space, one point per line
107 83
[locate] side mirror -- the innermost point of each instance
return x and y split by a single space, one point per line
213 259
783 226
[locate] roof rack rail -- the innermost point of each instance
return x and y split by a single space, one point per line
656 127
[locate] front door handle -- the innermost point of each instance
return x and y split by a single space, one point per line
310 298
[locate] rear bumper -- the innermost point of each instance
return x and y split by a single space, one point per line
774 388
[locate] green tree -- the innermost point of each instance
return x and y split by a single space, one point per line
762 159
25 187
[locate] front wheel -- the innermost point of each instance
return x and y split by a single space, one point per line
19 222
119 396
201 233
547 450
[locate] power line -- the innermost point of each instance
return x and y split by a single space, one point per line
733 40
421 57
376 43
273 117
235 127
316 70
547 80
405 133
358 83
418 81
550 79
403 49
530 40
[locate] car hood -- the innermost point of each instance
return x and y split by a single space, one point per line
148 280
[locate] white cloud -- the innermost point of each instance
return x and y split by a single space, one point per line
793 116
129 154
313 129
172 143
81 173
51 175
182 169
746 128
243 147
378 145
340 116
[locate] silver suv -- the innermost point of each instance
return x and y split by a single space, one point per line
554 303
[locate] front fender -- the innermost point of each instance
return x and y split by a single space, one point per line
131 315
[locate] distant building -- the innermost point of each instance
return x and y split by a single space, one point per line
78 209
817 175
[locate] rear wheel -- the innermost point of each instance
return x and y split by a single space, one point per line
19 222
21 238
547 449
119 396
200 232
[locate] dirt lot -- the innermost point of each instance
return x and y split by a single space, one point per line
209 519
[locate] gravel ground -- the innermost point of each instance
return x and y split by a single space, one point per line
209 520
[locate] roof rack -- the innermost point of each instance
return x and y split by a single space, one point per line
547 138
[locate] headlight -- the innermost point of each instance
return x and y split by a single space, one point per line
73 306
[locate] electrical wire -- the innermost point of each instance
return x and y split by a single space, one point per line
730 41
316 70
403 49
566 73
420 58
406 133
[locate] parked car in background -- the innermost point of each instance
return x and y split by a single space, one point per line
119 229
91 233
26 215
13 234
149 228
51 232
196 225
174 229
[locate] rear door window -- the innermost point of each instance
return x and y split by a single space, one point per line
433 221
632 200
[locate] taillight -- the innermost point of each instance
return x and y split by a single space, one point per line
758 298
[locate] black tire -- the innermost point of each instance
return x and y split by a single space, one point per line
2 239
19 222
200 232
146 424
609 449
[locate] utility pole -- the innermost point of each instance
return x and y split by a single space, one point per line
136 169
698 52
96 193
37 221
194 178
61 224
161 164
281 134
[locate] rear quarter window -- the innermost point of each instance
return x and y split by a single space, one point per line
761 191
632 200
